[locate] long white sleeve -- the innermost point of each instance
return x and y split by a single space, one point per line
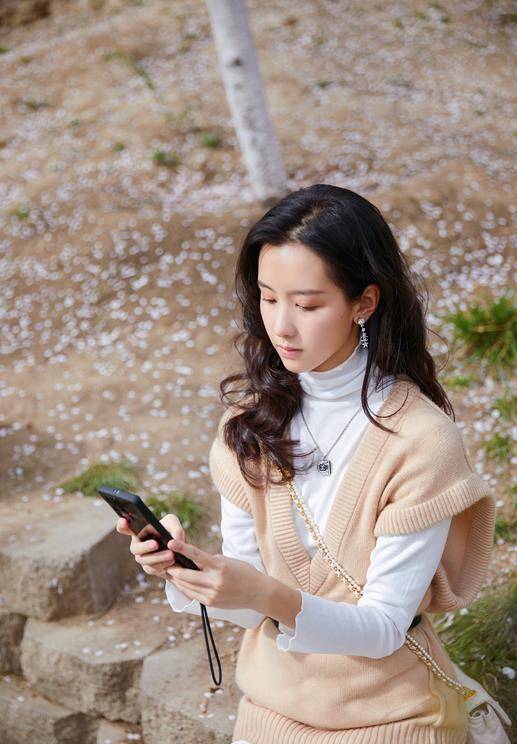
399 574
239 541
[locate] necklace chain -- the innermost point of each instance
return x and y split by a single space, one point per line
356 590
324 465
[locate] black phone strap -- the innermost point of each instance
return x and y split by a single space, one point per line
206 624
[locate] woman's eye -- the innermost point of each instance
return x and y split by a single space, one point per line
302 307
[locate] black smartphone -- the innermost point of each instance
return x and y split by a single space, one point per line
142 521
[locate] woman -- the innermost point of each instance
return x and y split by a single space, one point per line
334 349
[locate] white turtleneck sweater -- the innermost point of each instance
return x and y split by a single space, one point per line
401 566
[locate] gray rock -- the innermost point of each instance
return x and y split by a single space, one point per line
93 666
11 632
28 717
179 701
75 561
17 12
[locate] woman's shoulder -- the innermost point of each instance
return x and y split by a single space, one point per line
424 429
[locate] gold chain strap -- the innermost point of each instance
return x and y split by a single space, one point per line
356 589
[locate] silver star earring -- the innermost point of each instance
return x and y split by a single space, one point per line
364 337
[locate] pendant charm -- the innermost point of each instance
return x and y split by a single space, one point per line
324 467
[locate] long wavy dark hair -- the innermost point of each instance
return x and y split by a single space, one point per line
352 237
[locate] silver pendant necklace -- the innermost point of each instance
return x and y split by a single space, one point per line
324 465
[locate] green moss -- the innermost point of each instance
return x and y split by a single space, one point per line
115 475
482 642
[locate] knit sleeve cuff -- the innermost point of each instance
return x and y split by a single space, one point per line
396 519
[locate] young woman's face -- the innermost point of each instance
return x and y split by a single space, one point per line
319 323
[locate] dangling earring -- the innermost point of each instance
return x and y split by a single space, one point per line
364 337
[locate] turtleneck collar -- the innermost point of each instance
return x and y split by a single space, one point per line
340 381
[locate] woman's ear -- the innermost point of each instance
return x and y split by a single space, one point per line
366 306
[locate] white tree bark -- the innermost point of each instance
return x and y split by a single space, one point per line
245 95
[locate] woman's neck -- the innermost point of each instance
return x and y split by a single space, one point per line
342 381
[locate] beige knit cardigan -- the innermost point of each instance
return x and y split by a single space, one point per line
396 483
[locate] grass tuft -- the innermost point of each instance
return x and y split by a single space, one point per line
481 641
507 406
132 61
179 504
210 138
168 159
21 213
115 475
488 332
499 447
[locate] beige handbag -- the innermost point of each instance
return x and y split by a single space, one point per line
485 714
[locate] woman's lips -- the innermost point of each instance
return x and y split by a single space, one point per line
288 352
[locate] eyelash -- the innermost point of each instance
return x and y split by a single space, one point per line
307 309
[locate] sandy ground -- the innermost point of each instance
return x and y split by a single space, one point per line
117 306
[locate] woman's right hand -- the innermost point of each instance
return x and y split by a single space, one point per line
154 563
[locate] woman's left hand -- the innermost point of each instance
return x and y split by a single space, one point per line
221 582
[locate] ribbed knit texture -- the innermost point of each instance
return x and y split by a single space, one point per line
259 725
397 482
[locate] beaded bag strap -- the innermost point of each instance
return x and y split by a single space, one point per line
356 589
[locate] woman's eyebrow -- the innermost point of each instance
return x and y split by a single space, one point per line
295 291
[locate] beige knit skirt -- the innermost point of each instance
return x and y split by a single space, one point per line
258 725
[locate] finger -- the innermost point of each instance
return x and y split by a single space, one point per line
139 547
200 558
173 525
123 526
163 557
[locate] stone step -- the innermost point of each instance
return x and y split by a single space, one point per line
179 701
94 666
11 633
28 717
59 559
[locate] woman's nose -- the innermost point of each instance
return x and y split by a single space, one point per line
283 325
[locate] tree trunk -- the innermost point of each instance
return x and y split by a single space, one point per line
245 95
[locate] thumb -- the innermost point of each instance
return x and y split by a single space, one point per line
199 557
